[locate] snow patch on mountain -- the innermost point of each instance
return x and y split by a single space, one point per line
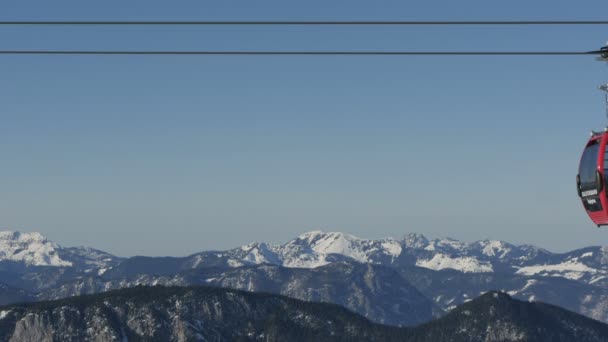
235 263
463 264
392 248
33 249
529 283
571 269
306 261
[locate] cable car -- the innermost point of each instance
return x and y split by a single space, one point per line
591 180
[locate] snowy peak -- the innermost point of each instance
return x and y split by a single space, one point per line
338 243
315 249
33 249
349 246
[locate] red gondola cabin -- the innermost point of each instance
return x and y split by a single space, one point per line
591 181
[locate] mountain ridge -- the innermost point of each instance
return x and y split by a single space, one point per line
317 248
333 243
211 313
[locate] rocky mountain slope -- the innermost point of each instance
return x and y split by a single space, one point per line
216 314
181 314
376 292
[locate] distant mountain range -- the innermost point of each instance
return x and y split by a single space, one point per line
216 314
403 281
314 249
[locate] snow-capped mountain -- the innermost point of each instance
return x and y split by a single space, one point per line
33 249
519 264
317 248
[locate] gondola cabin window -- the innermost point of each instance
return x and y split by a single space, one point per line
588 166
588 177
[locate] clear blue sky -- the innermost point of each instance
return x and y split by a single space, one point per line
173 155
